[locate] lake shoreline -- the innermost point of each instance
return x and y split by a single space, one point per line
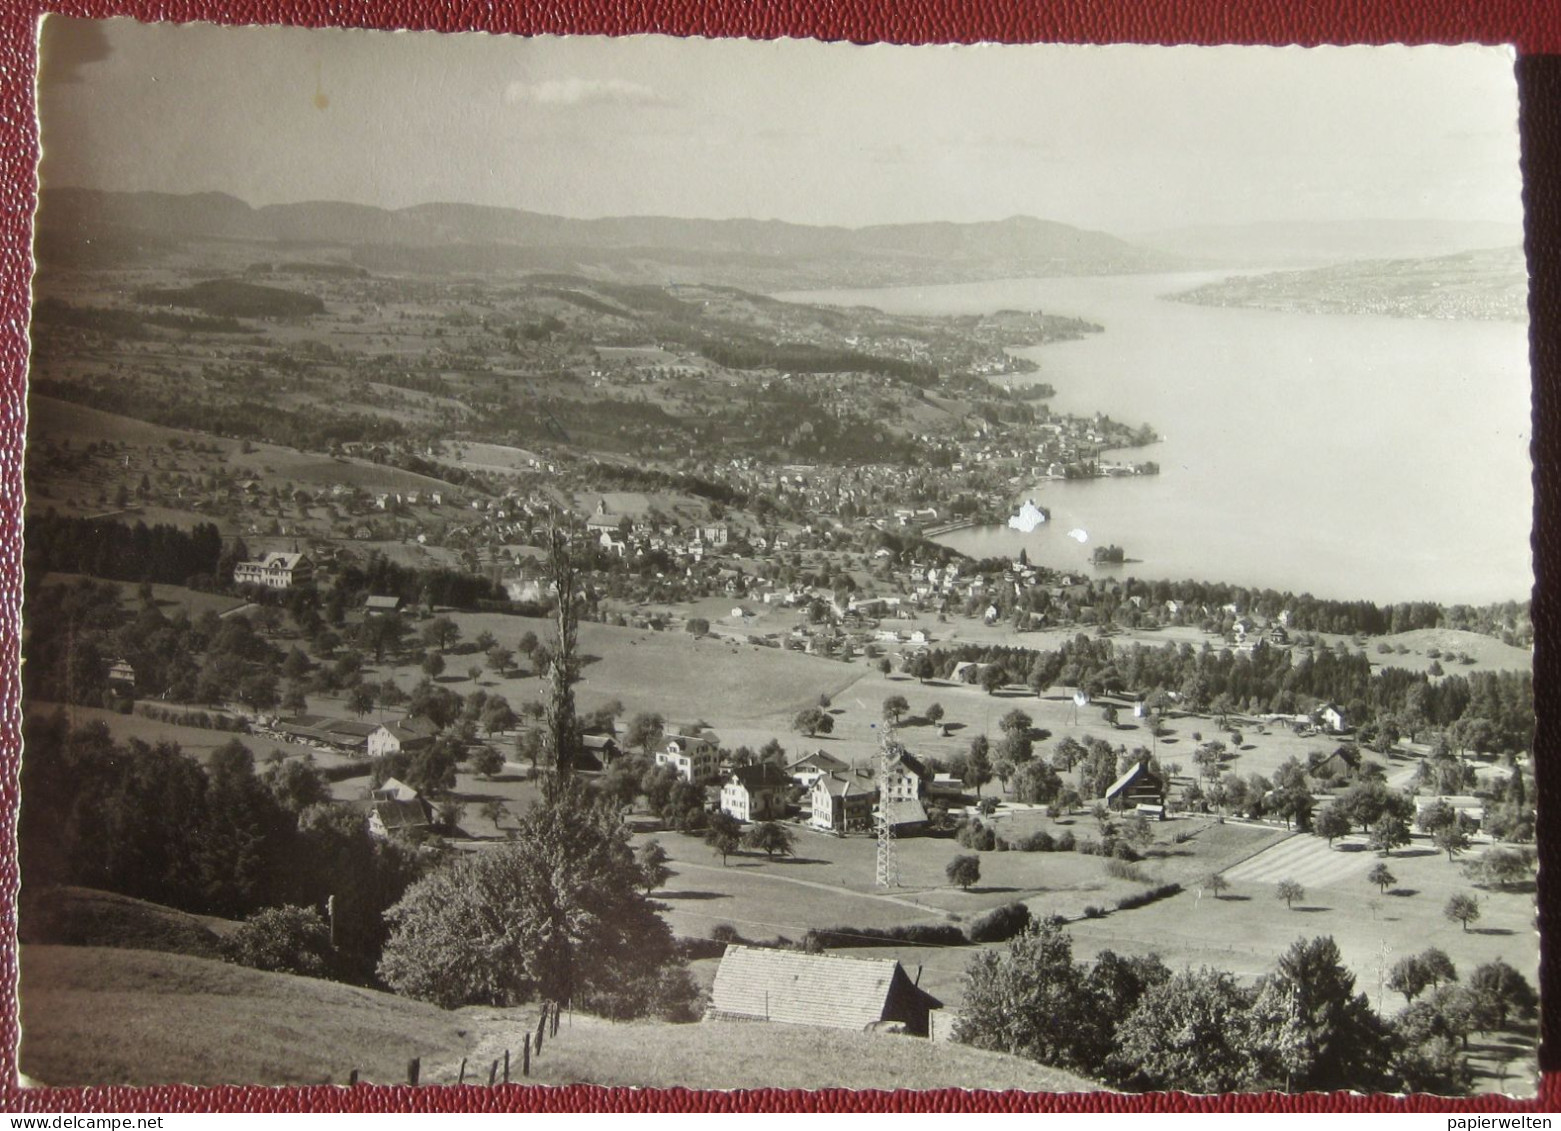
1275 469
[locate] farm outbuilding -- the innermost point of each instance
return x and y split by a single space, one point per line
1140 787
787 986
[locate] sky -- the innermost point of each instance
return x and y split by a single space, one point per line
1122 139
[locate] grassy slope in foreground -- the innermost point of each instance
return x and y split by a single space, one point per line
714 1055
98 1016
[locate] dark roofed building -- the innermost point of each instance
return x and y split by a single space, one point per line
755 793
793 988
1138 787
397 818
600 749
810 767
392 738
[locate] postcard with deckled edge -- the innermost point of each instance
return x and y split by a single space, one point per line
727 564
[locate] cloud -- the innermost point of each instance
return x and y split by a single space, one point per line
583 92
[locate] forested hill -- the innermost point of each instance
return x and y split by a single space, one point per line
763 254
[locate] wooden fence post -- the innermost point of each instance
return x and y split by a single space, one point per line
414 1066
461 1079
525 1064
352 1077
493 1073
506 1066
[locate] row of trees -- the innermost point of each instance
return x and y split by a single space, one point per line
1489 711
1138 1025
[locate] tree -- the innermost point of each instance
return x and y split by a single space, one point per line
497 715
723 835
561 730
894 708
1035 1001
992 678
1332 822
1501 867
1339 1042
1016 722
1408 977
1497 991
295 700
439 705
1436 816
1216 883
645 730
1016 747
1392 832
286 940
963 871
1188 1033
1381 876
1289 891
1110 716
813 720
440 633
433 665
295 784
1438 967
557 914
360 700
1036 783
934 714
487 762
651 859
500 658
1463 909
773 752
1068 754
258 692
978 763
1208 758
1452 838
697 626
769 838
1428 1054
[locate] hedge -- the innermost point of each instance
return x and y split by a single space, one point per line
1139 899
999 924
929 934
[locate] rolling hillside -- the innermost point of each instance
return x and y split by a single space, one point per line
101 1016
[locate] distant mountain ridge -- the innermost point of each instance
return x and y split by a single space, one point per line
657 248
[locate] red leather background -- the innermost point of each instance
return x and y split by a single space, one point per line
1534 28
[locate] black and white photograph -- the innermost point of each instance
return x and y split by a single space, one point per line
718 563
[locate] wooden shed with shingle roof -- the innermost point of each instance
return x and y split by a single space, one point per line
793 988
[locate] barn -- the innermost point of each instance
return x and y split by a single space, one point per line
1140 788
793 988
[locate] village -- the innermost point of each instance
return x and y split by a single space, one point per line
816 764
814 744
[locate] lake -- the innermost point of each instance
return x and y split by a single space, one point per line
1349 456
